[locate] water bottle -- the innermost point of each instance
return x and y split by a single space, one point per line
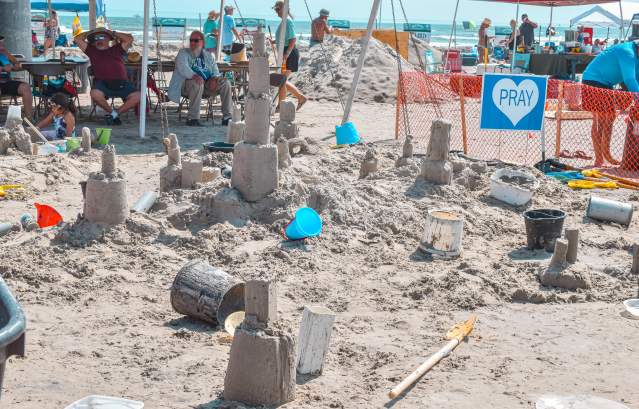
28 222
429 61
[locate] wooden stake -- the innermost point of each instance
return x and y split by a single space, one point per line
560 102
572 235
314 338
462 103
559 256
635 259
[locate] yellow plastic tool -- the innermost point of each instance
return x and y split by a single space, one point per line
589 184
4 188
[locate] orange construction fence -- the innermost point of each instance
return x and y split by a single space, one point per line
584 126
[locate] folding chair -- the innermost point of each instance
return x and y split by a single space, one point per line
522 63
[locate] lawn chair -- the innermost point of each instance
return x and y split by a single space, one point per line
522 63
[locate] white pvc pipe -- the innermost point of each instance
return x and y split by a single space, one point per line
360 64
452 31
282 35
220 38
552 7
622 23
144 70
512 62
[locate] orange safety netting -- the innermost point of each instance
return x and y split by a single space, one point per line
583 126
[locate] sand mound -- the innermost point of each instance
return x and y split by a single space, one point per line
379 77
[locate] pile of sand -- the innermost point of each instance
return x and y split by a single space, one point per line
379 77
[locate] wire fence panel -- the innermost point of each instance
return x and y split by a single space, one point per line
584 126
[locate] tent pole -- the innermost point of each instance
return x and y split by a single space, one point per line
452 30
92 15
220 39
50 10
552 8
621 38
362 58
281 39
145 70
512 61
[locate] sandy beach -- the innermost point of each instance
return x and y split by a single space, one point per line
100 320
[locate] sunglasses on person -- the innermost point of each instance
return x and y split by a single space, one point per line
195 40
100 37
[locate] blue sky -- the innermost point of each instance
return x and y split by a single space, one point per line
428 11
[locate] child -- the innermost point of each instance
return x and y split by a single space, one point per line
61 116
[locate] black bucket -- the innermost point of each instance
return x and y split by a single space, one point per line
543 227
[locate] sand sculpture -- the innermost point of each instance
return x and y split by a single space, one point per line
105 200
255 159
261 369
287 127
436 167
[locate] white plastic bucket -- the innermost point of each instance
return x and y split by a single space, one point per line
105 402
609 210
511 193
443 233
14 116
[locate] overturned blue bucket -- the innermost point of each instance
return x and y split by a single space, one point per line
307 223
347 134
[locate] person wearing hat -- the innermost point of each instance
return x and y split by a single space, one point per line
211 31
196 75
320 27
291 55
109 72
229 32
62 117
527 30
8 86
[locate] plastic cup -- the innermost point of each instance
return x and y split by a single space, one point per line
307 223
347 134
72 144
103 135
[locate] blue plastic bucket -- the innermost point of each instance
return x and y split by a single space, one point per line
347 134
307 223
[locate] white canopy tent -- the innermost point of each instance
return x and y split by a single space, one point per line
607 15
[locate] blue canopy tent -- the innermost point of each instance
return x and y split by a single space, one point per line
73 6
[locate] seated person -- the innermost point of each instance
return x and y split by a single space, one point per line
61 117
8 86
196 75
110 76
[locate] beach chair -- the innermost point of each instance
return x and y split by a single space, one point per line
522 63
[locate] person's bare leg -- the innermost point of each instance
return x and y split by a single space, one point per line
130 102
301 98
100 100
594 134
24 90
606 138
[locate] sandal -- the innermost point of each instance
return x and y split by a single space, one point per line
581 155
566 154
301 103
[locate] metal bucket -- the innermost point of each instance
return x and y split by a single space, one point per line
609 210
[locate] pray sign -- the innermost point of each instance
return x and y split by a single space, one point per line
513 102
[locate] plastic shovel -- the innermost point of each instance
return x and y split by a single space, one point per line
589 184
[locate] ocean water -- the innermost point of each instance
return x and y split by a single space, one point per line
440 33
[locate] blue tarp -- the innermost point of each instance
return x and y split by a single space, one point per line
75 6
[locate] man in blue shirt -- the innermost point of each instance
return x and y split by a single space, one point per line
617 65
229 31
8 86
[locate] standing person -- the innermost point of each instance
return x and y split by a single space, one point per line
482 44
51 31
291 55
527 30
61 117
229 32
515 36
617 65
110 76
211 31
320 27
197 75
9 86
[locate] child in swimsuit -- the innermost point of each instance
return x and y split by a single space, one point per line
61 117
